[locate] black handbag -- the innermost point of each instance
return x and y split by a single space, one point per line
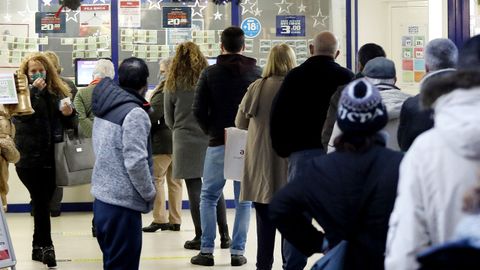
74 159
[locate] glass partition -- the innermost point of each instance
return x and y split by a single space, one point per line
295 23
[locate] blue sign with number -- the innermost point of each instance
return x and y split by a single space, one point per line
251 27
291 26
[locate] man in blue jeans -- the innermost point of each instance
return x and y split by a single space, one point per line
220 90
299 111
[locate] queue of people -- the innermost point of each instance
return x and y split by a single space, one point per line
383 173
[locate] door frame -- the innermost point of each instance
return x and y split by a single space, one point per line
459 21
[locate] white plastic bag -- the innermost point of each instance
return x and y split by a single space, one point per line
235 141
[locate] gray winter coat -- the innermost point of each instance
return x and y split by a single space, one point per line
189 141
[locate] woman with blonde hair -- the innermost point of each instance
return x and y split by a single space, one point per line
35 138
264 172
189 141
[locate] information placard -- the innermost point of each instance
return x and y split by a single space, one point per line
7 254
8 93
129 13
251 27
47 22
177 17
291 26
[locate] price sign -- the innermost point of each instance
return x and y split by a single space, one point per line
46 22
177 17
251 27
291 26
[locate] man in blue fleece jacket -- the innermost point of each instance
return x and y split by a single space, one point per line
122 177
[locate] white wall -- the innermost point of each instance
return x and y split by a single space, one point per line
373 20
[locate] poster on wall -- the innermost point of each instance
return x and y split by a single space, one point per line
8 93
94 20
413 62
290 26
129 14
47 22
177 17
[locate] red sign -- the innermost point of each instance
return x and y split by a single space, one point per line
129 4
95 8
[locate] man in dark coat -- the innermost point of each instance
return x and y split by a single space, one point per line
220 90
440 56
299 111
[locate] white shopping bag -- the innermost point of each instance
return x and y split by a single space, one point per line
235 141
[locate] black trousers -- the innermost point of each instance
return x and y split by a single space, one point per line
265 237
40 183
194 188
56 201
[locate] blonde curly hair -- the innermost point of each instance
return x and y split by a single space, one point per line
55 85
186 67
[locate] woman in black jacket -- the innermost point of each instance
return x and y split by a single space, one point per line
35 138
351 192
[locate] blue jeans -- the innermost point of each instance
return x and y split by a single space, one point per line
212 188
294 259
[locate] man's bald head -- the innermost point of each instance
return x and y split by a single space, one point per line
325 43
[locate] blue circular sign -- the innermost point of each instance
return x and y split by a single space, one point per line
251 27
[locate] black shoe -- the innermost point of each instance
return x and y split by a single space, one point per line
55 213
156 226
205 259
238 260
49 257
37 254
175 227
225 241
193 244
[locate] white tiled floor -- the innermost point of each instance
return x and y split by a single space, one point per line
76 249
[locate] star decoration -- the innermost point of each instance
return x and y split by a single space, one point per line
8 17
47 3
302 8
153 4
247 7
27 14
197 9
258 12
72 15
319 18
284 7
217 15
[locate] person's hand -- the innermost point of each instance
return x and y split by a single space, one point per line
39 83
66 109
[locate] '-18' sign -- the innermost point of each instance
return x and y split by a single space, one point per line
177 17
47 22
291 26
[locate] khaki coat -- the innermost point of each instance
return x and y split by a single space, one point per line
265 172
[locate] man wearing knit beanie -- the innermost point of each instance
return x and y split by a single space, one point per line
361 177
